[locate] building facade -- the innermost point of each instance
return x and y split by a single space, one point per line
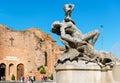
22 52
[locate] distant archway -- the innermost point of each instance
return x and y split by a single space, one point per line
11 69
2 70
20 70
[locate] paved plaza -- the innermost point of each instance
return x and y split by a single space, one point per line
24 82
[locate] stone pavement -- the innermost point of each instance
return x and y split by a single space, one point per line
24 82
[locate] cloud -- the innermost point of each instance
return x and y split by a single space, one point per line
115 49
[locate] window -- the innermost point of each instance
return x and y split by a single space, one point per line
45 59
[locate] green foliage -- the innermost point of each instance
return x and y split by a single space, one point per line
51 77
41 69
13 77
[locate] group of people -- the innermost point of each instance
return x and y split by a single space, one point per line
2 78
30 79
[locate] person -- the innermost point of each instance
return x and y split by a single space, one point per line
34 78
28 79
31 79
21 79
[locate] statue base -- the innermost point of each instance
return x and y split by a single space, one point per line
79 72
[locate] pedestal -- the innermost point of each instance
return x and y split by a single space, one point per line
79 72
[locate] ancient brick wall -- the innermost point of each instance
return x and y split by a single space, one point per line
30 47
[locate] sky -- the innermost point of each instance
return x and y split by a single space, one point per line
88 15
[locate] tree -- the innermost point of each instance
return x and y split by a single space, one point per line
51 77
41 69
13 77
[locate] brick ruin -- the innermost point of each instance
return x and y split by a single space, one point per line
22 52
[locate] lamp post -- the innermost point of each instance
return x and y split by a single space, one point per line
102 44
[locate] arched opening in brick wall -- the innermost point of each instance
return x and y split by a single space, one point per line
2 70
20 71
11 69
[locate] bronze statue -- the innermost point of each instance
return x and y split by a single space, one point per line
78 46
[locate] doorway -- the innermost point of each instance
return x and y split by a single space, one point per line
2 70
20 71
11 69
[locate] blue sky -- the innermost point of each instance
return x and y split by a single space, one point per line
88 15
